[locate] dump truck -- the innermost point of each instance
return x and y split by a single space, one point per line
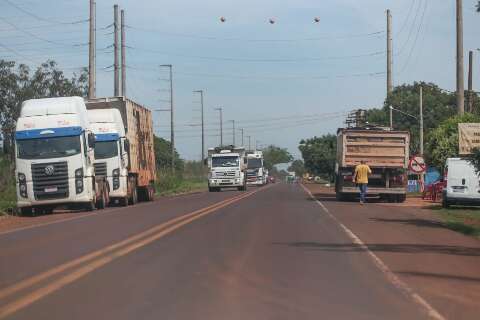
135 171
384 150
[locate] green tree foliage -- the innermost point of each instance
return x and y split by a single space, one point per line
19 83
438 106
274 155
442 142
163 155
298 167
319 155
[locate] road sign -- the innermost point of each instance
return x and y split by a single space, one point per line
417 164
468 137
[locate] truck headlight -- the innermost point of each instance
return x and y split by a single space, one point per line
79 180
22 185
116 178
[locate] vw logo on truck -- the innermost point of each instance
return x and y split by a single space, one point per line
49 170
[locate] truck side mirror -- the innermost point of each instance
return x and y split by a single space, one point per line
91 140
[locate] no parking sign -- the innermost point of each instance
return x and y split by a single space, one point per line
417 165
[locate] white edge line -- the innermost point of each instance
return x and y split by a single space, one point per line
392 278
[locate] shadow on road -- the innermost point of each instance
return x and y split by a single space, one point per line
413 222
438 276
381 247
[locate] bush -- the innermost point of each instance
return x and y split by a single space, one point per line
7 185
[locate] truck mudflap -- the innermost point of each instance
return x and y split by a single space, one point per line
388 194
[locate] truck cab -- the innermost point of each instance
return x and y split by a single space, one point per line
256 173
54 156
226 169
110 151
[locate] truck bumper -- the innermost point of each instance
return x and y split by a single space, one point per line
256 182
86 196
374 190
234 182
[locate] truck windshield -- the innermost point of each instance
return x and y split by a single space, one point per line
225 162
106 149
254 163
46 148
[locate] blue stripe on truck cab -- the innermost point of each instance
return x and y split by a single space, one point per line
107 137
48 133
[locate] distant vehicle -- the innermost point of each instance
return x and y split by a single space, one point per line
125 153
387 154
256 172
227 166
54 157
462 183
271 179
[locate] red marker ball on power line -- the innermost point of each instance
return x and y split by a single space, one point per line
222 19
316 19
271 20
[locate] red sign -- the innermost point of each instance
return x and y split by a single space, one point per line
417 164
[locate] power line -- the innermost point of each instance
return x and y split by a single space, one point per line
412 28
407 18
203 37
265 60
42 18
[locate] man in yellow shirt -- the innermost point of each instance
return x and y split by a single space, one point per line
361 179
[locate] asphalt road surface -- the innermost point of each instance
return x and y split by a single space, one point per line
228 255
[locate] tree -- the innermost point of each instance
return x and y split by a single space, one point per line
298 167
438 106
474 160
273 155
319 155
163 155
442 142
19 84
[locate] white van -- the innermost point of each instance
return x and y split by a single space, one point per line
463 184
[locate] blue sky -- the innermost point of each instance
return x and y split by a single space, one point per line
281 82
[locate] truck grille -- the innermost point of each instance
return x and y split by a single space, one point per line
50 186
225 174
100 169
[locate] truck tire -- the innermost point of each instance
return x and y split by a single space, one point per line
90 206
123 202
401 198
26 211
134 198
340 196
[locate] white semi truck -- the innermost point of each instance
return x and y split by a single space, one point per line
111 156
54 157
256 172
226 168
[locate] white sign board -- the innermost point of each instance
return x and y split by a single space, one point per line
468 137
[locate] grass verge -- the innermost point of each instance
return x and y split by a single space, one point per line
7 186
169 184
461 219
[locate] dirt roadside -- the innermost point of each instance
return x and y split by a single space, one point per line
442 265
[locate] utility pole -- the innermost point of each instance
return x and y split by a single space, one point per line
221 125
241 130
172 135
460 82
421 120
91 52
391 118
203 128
249 145
116 82
470 81
124 66
389 54
233 130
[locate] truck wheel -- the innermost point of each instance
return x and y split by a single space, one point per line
90 206
134 198
401 198
123 201
339 196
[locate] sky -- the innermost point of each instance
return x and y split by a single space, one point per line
280 82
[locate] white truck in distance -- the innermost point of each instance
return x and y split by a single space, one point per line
54 157
111 157
256 173
226 168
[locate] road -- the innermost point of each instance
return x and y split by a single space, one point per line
230 255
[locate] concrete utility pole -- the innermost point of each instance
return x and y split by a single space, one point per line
91 52
233 130
203 128
470 81
389 54
221 125
249 145
172 130
460 82
241 130
124 66
421 121
116 82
